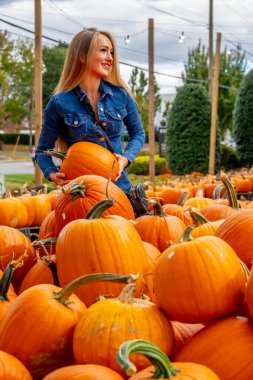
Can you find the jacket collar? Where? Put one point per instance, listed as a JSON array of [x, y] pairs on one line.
[[104, 89]]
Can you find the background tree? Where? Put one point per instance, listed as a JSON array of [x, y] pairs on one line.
[[243, 121], [53, 60], [188, 131], [138, 84], [16, 78], [232, 70]]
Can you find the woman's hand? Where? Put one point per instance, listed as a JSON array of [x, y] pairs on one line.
[[58, 178], [123, 162]]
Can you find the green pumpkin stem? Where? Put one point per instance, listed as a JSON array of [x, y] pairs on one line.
[[55, 153], [186, 236], [162, 364], [232, 200], [64, 294], [7, 276], [199, 218], [157, 207], [76, 190], [182, 198], [97, 210]]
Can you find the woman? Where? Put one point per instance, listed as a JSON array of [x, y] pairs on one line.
[[91, 89]]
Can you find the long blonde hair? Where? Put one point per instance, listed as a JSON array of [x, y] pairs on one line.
[[77, 61]]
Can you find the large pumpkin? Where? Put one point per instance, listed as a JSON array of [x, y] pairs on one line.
[[225, 346], [237, 232], [89, 158], [199, 280], [108, 244], [12, 369], [83, 372], [110, 322], [81, 194]]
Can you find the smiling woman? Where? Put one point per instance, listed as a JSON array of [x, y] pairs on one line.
[[91, 103]]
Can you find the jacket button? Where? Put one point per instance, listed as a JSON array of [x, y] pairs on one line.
[[118, 115], [75, 122], [101, 109], [104, 123]]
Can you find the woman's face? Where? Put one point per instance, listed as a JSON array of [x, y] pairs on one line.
[[102, 57]]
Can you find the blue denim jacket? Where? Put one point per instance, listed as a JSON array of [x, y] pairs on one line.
[[65, 115]]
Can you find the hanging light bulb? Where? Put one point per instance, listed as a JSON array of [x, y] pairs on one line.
[[180, 40], [127, 39]]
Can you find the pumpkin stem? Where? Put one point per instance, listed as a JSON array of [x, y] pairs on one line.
[[162, 364], [182, 198], [186, 236], [7, 276], [55, 153], [97, 210], [126, 296], [157, 207], [64, 294], [199, 218], [232, 200], [76, 190]]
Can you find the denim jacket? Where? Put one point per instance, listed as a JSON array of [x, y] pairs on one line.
[[67, 116]]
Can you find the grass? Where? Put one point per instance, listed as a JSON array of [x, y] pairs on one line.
[[17, 181]]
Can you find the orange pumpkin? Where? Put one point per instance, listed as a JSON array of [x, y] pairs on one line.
[[95, 244], [237, 232], [83, 372], [203, 278], [82, 159], [12, 369], [159, 228], [81, 194], [225, 346], [110, 322]]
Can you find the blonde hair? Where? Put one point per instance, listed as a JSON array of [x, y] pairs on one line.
[[77, 61]]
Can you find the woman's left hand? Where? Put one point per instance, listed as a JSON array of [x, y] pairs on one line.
[[123, 162]]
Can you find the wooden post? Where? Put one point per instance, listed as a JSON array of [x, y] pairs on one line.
[[215, 92], [210, 70], [38, 83], [151, 105]]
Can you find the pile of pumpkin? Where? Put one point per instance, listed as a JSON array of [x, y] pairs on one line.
[[100, 294]]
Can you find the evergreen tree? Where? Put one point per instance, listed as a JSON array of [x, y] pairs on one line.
[[53, 59], [243, 121], [188, 131], [232, 69]]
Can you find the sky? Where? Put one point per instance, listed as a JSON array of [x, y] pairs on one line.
[[62, 19]]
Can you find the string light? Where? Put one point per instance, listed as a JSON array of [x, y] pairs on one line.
[[127, 39], [181, 38]]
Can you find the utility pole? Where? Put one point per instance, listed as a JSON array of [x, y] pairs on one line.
[[151, 105], [215, 93], [38, 83], [210, 71]]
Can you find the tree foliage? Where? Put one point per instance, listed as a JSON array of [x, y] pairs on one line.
[[232, 70], [138, 83], [16, 77], [53, 59], [243, 120], [188, 131]]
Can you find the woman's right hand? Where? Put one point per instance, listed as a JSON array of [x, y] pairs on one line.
[[58, 178]]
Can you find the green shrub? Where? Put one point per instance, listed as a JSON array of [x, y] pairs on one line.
[[11, 138], [188, 131], [140, 166], [243, 116]]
